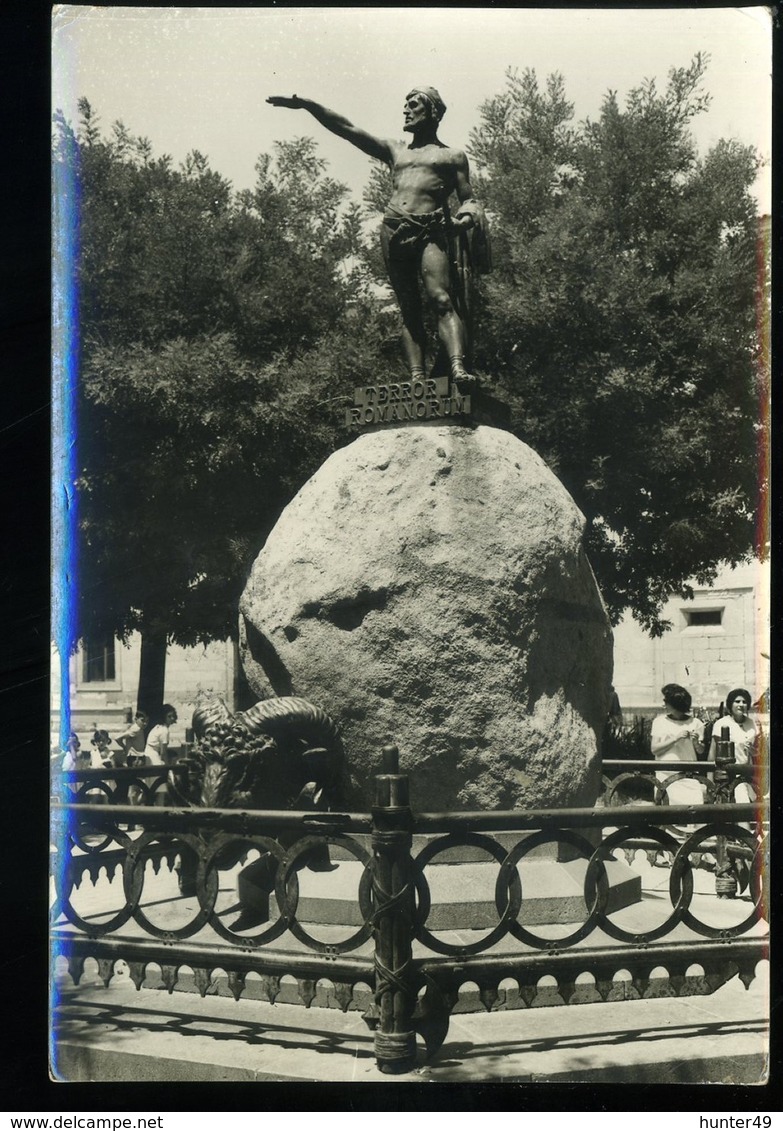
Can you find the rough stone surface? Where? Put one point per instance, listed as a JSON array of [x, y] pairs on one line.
[[428, 587]]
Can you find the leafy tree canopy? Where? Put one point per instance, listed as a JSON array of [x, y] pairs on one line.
[[620, 322], [212, 373], [222, 332]]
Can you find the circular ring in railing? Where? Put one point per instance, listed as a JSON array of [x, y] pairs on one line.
[[662, 786], [601, 884], [711, 792], [225, 845], [507, 913], [707, 832], [146, 792], [667, 842], [87, 787], [148, 787], [64, 883], [714, 792], [80, 828], [134, 875], [622, 779], [287, 891], [758, 867]]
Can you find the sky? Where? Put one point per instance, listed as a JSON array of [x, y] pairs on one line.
[[197, 78]]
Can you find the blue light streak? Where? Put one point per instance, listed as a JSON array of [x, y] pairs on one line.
[[65, 375]]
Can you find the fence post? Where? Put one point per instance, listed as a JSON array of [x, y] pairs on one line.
[[725, 875], [393, 897]]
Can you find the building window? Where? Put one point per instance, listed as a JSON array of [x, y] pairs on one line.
[[98, 659], [702, 618]]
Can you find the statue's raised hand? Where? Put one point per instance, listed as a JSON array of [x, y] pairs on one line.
[[292, 103]]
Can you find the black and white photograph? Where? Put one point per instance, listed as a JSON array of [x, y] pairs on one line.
[[410, 659]]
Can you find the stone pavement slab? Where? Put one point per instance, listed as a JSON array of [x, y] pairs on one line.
[[119, 1033]]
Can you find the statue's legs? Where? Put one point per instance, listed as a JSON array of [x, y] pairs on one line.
[[431, 263], [403, 276], [413, 334], [436, 276]]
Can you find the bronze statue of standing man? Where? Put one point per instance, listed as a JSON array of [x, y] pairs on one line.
[[421, 240]]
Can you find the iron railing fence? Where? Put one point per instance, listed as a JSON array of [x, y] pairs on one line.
[[140, 785], [630, 781], [621, 781], [413, 969]]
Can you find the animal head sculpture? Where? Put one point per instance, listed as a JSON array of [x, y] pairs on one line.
[[280, 754]]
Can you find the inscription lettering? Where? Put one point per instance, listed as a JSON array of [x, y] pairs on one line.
[[420, 399]]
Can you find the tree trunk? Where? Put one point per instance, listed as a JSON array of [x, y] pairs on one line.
[[244, 696], [152, 672]]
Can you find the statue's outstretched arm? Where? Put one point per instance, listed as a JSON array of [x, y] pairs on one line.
[[373, 146]]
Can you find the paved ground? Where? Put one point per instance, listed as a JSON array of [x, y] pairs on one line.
[[118, 1033]]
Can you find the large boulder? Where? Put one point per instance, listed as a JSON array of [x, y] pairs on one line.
[[428, 587]]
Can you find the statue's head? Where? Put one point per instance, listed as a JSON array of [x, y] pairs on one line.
[[423, 104]]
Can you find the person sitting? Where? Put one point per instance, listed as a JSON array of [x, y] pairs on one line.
[[76, 759], [102, 742], [742, 732], [676, 736]]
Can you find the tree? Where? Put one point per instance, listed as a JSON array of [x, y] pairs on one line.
[[620, 323], [210, 373], [221, 333]]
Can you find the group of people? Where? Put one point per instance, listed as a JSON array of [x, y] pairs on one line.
[[138, 745], [679, 736]]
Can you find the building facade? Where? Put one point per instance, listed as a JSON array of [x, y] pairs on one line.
[[104, 683], [717, 641]]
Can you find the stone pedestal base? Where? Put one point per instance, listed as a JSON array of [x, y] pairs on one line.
[[462, 894], [429, 587]]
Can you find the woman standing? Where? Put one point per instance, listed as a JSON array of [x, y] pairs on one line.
[[159, 737], [156, 752]]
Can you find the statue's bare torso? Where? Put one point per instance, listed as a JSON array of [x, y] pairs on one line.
[[424, 177], [425, 173]]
